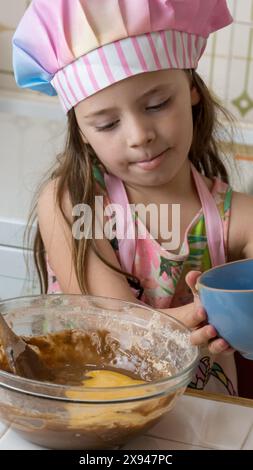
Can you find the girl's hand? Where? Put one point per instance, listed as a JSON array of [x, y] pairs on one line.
[[203, 333]]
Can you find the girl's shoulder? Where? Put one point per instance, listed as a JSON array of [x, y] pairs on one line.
[[241, 226], [48, 204]]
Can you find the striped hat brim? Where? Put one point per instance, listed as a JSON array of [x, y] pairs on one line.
[[127, 57]]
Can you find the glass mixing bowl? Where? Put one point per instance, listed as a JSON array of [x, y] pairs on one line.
[[138, 340]]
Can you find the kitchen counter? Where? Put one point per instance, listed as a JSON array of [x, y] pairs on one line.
[[199, 420]]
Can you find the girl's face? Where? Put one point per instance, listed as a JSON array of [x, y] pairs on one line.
[[141, 128]]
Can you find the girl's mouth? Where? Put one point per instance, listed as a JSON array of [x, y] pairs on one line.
[[151, 164]]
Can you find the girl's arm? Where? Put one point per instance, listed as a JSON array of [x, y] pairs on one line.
[[245, 212], [57, 238]]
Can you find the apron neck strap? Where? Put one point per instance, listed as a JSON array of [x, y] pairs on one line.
[[213, 222], [125, 225]]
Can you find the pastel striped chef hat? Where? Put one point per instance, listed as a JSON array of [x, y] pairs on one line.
[[75, 48]]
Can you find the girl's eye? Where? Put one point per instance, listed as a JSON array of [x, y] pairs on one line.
[[160, 105], [107, 127]]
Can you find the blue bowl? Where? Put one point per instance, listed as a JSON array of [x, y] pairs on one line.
[[226, 292]]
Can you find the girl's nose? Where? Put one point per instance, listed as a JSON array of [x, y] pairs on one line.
[[139, 134]]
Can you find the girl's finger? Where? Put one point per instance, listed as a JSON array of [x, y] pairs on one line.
[[191, 280], [203, 335], [229, 351], [220, 346], [198, 318]]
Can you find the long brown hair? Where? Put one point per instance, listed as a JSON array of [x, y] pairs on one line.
[[74, 173]]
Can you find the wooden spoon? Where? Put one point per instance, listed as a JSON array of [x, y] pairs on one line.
[[22, 359]]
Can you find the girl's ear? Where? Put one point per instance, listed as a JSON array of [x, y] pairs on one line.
[[195, 98]]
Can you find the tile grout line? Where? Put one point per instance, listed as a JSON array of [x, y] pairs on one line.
[[174, 440], [246, 437]]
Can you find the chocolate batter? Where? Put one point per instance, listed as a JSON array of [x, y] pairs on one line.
[[88, 359]]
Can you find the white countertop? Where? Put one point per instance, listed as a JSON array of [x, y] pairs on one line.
[[195, 423]]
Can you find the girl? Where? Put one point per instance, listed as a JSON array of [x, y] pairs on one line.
[[141, 130]]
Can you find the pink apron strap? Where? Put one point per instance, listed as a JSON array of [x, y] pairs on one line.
[[117, 195], [214, 228], [213, 223]]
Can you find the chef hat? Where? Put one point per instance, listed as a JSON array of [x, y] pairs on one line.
[[75, 48]]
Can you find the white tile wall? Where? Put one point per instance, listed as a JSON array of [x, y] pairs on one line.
[[30, 140], [14, 278], [243, 10], [29, 144]]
